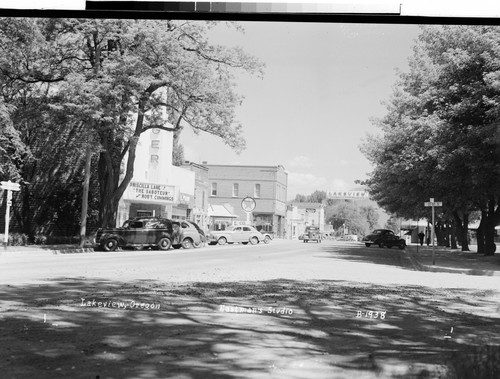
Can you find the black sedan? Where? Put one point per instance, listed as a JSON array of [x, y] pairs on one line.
[[384, 237]]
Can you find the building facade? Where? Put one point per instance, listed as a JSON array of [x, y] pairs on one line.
[[267, 185], [199, 212], [157, 189], [301, 215]]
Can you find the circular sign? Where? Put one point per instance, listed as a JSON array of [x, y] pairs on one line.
[[248, 204]]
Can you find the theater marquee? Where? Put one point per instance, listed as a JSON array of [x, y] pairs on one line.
[[150, 192]]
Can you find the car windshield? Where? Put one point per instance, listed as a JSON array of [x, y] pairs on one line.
[[378, 231]]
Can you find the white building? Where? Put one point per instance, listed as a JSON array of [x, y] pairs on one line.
[[157, 188], [301, 215]]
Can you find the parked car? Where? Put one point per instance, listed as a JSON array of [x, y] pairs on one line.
[[312, 233], [383, 237], [239, 233], [137, 232], [187, 234]]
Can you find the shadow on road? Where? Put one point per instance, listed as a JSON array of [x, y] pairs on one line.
[[378, 255], [225, 330]]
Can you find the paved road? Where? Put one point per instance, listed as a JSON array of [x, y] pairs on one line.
[[281, 259], [325, 337]]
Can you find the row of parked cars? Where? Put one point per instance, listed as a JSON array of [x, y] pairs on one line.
[[163, 234]]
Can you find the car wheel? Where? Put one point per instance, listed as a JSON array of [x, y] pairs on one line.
[[380, 244], [197, 245], [187, 243], [389, 246], [164, 243], [267, 239], [254, 240], [368, 244], [222, 241], [111, 244], [176, 246], [402, 246]]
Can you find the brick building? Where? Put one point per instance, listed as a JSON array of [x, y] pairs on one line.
[[267, 185]]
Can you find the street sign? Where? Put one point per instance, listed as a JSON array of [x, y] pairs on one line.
[[10, 186], [433, 204]]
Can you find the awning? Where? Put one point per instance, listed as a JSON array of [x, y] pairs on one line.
[[219, 211]]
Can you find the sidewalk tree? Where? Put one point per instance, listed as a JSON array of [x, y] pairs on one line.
[[439, 136], [119, 78]]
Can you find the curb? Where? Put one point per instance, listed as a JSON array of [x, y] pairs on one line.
[[421, 267]]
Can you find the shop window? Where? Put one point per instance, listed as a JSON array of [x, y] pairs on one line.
[[256, 191], [214, 189], [235, 189]]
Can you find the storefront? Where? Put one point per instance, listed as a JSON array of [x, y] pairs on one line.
[[220, 217], [146, 200]]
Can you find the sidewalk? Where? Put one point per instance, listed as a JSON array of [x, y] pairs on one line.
[[45, 249], [454, 261]]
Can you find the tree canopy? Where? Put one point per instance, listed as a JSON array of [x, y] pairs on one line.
[[70, 83], [439, 137]]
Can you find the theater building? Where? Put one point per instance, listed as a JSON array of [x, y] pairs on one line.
[[267, 185], [158, 189]]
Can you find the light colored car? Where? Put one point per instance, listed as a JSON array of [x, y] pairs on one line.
[[239, 233], [187, 234]]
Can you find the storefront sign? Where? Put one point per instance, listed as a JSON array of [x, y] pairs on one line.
[[348, 195], [150, 192], [184, 198]]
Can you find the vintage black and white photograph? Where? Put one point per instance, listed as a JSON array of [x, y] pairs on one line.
[[189, 198]]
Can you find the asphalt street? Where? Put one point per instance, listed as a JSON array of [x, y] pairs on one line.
[[283, 310], [281, 259]]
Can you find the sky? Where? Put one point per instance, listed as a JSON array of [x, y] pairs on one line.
[[323, 84]]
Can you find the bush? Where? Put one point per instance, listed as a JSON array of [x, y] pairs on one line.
[[16, 239], [41, 239]]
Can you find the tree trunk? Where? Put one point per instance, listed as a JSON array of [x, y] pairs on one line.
[[85, 197], [463, 229], [453, 235], [109, 171]]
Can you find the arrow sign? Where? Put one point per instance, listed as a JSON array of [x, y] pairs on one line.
[[10, 186]]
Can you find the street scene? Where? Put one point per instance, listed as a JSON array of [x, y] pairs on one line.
[[248, 199]]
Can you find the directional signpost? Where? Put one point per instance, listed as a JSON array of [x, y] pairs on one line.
[[9, 186], [433, 204]]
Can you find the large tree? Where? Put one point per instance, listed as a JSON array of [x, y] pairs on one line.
[[115, 79], [439, 136]]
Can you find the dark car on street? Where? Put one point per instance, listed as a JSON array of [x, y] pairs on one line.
[[138, 233], [312, 233], [384, 237]]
